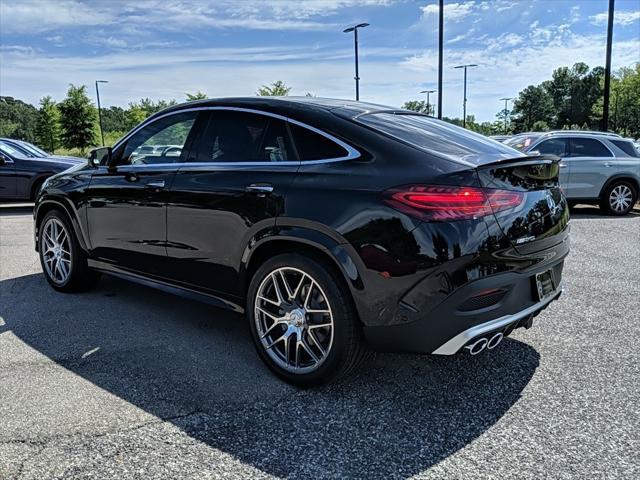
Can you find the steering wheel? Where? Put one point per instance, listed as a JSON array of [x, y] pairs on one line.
[[167, 150]]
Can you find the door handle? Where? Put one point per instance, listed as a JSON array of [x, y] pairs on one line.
[[608, 164], [259, 188], [155, 184], [563, 165]]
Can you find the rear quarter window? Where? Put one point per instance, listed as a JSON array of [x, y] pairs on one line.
[[313, 146], [626, 146]]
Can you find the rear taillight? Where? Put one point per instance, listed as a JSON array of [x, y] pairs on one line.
[[440, 203]]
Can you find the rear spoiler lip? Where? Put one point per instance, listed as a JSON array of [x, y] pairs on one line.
[[522, 161]]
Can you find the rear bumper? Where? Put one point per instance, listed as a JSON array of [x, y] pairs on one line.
[[456, 343], [464, 314]]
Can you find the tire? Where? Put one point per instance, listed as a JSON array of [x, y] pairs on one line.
[[68, 272], [298, 322], [619, 198]]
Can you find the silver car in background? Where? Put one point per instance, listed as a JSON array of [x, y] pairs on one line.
[[597, 168]]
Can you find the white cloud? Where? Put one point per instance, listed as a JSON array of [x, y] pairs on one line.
[[453, 12], [620, 17], [33, 16]]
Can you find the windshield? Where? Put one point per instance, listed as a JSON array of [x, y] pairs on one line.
[[522, 142], [436, 136], [33, 149]]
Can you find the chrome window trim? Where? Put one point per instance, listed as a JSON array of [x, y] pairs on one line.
[[352, 153]]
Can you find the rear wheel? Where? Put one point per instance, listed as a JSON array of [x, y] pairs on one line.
[[619, 198], [63, 261], [303, 323]]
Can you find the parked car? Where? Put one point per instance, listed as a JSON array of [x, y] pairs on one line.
[[335, 226], [33, 151], [21, 175], [500, 138], [522, 141], [598, 168]]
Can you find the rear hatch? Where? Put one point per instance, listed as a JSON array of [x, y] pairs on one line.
[[541, 218]]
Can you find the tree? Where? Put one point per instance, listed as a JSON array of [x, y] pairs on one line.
[[18, 119], [533, 104], [113, 119], [48, 128], [78, 119], [276, 89], [196, 96], [419, 106]]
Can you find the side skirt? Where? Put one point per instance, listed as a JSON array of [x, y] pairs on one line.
[[165, 286]]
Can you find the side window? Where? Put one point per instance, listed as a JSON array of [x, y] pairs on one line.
[[553, 146], [235, 136], [162, 141], [588, 147], [313, 146]]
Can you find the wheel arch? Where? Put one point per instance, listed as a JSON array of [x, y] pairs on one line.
[[55, 203], [620, 177]]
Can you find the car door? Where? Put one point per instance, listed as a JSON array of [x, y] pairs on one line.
[[558, 146], [244, 162], [126, 200], [7, 174], [591, 164]]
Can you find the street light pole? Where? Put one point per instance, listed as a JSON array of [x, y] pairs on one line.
[[607, 69], [464, 102], [428, 105], [506, 99], [440, 48], [100, 109], [354, 29]]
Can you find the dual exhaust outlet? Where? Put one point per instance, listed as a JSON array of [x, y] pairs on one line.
[[485, 342]]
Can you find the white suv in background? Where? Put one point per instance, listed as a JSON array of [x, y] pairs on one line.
[[598, 168]]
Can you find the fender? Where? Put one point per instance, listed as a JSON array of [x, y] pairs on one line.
[[47, 201], [619, 176], [341, 253]]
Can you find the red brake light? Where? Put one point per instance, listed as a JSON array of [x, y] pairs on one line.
[[438, 203]]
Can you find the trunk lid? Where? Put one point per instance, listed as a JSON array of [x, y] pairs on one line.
[[541, 219]]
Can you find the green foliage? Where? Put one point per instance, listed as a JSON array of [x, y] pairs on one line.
[[48, 130], [276, 89], [419, 106], [196, 96], [139, 111], [533, 104], [113, 120], [18, 119], [78, 118], [540, 126]]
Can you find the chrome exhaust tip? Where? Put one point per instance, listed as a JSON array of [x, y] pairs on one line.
[[477, 346], [494, 341]]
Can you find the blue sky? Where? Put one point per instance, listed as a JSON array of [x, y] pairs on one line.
[[162, 49]]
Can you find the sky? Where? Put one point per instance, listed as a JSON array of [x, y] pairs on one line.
[[162, 49]]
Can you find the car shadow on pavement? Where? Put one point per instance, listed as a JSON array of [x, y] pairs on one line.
[[194, 366], [589, 212]]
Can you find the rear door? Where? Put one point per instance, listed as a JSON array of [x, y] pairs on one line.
[[231, 191], [591, 164]]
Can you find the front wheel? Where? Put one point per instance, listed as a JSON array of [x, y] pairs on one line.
[[303, 322], [63, 261], [619, 198]]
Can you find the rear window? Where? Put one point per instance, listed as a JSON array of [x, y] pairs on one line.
[[553, 146], [626, 146], [434, 135]]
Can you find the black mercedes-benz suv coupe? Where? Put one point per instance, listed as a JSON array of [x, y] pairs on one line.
[[337, 227]]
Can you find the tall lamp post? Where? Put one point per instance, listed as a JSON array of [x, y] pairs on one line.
[[464, 102], [440, 54], [607, 69], [428, 105], [100, 109], [354, 29], [506, 99]]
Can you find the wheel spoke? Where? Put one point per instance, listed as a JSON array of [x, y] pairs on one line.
[[269, 314], [279, 339], [320, 325], [276, 287], [309, 350], [286, 286]]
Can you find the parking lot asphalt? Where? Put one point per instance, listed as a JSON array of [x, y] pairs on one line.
[[128, 382]]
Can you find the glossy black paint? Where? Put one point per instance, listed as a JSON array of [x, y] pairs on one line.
[[205, 232], [22, 175]]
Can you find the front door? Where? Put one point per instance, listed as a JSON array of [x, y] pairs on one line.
[[7, 173], [127, 199], [592, 163], [560, 148], [234, 190]]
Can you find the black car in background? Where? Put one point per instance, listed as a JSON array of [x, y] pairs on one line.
[[22, 172], [333, 225]]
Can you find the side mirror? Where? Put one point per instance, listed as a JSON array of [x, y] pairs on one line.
[[3, 159], [533, 153], [99, 156]]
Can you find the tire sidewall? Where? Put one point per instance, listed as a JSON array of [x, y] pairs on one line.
[[74, 250], [343, 321], [607, 205]]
